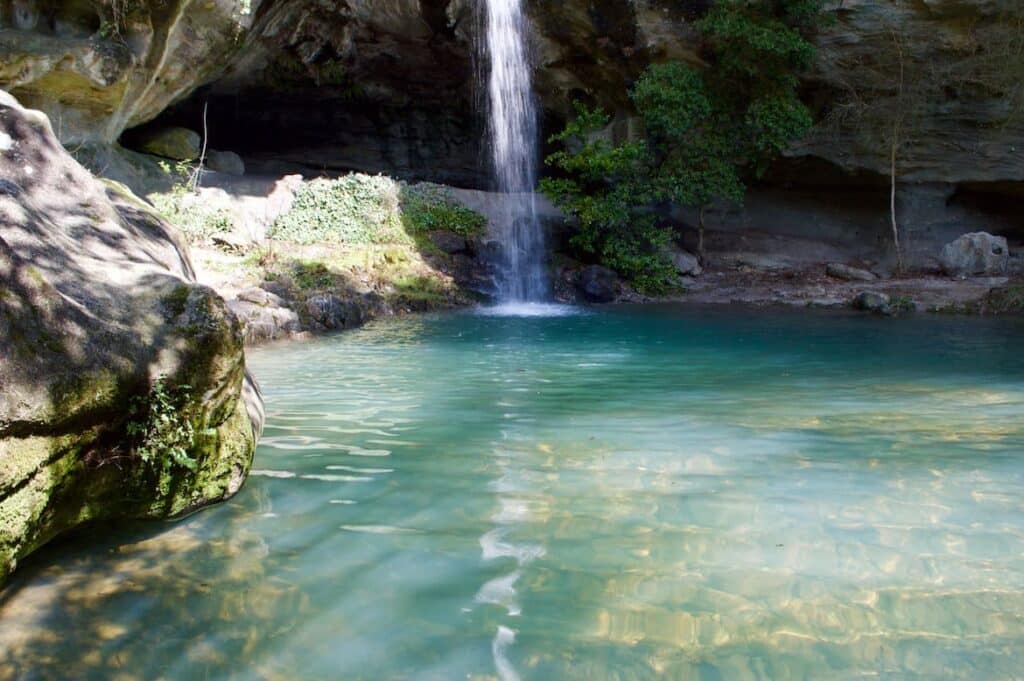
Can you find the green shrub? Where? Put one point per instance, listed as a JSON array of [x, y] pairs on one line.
[[354, 209], [160, 430], [197, 220], [365, 209], [707, 133], [427, 207]]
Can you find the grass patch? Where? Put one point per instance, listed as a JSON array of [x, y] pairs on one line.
[[1007, 300]]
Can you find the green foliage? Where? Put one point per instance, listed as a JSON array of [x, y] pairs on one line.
[[366, 209], [428, 207], [197, 220], [607, 187], [160, 429], [311, 276], [707, 133], [355, 209]]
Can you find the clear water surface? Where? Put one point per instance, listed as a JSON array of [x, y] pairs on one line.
[[624, 494]]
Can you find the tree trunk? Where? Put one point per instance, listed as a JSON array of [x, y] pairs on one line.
[[892, 201]]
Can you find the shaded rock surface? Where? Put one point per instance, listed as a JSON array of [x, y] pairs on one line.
[[177, 143], [977, 253], [598, 284], [227, 162], [97, 301]]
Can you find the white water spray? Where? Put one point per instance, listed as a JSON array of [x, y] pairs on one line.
[[512, 130]]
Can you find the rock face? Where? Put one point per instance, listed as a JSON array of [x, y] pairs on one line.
[[976, 254], [598, 284], [97, 303], [97, 70]]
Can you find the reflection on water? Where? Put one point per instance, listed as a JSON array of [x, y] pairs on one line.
[[616, 495]]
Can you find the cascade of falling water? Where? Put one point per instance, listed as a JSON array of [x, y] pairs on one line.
[[512, 131]]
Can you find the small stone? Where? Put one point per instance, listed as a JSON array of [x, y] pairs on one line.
[[847, 273], [262, 297], [872, 301]]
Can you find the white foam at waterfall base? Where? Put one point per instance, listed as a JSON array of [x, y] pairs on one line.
[[529, 310]]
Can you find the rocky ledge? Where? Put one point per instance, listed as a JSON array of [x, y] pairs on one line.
[[123, 389]]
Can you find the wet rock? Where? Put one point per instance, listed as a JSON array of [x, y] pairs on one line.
[[227, 162], [974, 254], [872, 301], [598, 284], [847, 273], [261, 323], [331, 312], [179, 144], [448, 242]]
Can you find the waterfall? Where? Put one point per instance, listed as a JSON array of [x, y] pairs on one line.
[[512, 133]]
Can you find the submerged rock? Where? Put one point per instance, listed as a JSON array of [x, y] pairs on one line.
[[99, 308], [976, 254], [598, 284]]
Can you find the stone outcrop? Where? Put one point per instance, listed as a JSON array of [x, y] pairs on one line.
[[98, 304], [387, 84], [976, 254], [98, 68]]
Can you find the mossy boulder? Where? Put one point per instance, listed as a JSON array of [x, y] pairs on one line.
[[97, 304]]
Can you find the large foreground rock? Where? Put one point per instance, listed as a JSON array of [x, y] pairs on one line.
[[97, 301], [976, 254]]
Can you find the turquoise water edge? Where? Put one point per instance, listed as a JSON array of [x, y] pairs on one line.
[[630, 493]]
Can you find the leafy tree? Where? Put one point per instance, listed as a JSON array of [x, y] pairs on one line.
[[708, 131]]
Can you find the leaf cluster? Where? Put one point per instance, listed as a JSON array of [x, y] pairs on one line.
[[160, 429], [707, 133]]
